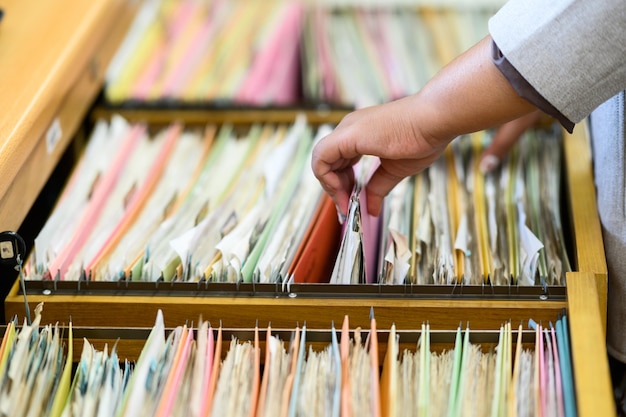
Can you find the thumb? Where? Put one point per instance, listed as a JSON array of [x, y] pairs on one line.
[[378, 186], [505, 137]]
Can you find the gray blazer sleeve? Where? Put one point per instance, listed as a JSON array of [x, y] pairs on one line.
[[573, 52]]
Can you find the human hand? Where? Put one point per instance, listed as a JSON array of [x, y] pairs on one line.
[[505, 138], [468, 95], [389, 131]]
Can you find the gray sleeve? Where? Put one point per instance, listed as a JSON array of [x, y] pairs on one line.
[[525, 90], [572, 52]]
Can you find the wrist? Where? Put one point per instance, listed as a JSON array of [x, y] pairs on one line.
[[468, 95], [431, 119]]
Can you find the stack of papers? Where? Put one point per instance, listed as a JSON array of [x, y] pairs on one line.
[[361, 56], [35, 373], [241, 204], [200, 51], [285, 52], [193, 371], [452, 224], [228, 205]]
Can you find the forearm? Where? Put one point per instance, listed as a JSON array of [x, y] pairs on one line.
[[409, 134], [468, 95]]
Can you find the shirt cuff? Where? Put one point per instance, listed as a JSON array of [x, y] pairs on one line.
[[525, 90]]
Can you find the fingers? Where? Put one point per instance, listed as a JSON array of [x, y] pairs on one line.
[[335, 155], [333, 169], [506, 136], [380, 184], [386, 131], [339, 186]]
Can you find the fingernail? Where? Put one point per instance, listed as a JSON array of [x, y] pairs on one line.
[[488, 163], [340, 216]]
